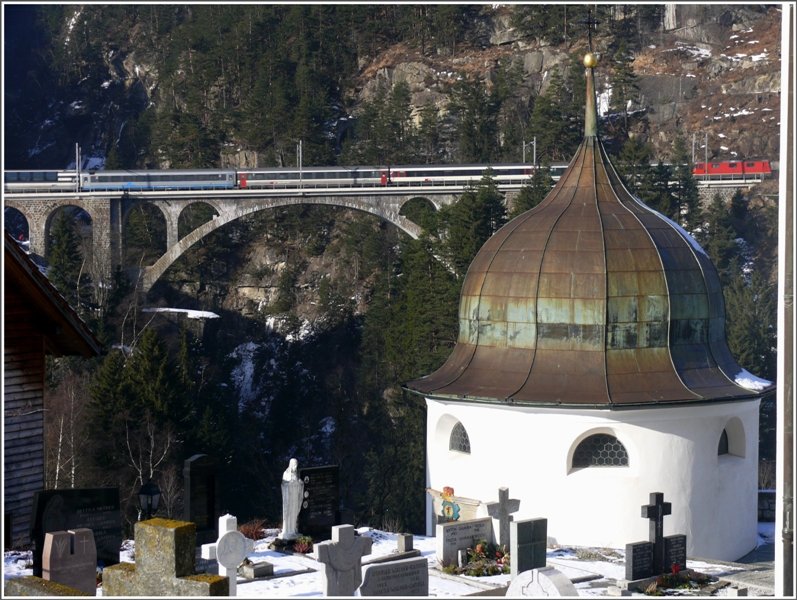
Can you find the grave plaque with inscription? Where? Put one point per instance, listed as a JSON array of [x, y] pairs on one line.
[[321, 500], [461, 535], [675, 551], [62, 510], [409, 577], [638, 560]]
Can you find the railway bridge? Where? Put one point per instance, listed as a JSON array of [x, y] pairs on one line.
[[109, 211]]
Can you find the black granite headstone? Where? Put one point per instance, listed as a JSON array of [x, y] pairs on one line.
[[96, 509], [319, 511], [528, 545], [675, 551], [638, 560], [201, 499]]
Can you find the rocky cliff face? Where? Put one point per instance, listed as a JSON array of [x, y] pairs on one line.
[[711, 70], [715, 71]]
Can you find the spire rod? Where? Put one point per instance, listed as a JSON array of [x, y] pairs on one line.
[[590, 61]]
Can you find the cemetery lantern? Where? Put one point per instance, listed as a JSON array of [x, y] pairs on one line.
[[148, 497]]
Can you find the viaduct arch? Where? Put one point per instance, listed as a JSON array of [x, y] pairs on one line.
[[108, 214]]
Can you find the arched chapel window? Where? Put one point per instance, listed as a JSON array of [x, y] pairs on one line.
[[459, 439], [600, 450], [722, 447]]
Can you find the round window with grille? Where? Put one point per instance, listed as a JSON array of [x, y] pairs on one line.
[[459, 440], [600, 450]]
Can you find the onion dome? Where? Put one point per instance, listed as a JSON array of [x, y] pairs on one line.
[[591, 299]]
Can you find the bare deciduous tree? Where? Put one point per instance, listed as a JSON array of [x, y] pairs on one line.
[[63, 431]]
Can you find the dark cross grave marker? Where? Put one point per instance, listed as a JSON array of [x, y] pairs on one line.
[[502, 510], [658, 555], [655, 512]]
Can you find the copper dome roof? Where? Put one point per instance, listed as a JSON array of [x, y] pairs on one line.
[[590, 298]]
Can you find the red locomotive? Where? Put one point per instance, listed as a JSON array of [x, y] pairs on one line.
[[733, 169]]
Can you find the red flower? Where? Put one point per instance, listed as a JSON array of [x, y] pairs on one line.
[[676, 568]]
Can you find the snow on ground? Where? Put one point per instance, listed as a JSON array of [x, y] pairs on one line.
[[592, 569], [191, 314]]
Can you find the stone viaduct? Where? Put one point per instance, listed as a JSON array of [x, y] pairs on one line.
[[108, 213]]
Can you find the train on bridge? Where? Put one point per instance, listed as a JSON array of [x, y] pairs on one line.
[[44, 181]]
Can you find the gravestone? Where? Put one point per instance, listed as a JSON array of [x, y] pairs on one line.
[[202, 495], [638, 560], [70, 558], [460, 535], [165, 562], [658, 555], [404, 541], [540, 583], [675, 551], [30, 585], [528, 545], [83, 508], [321, 500], [409, 577], [229, 550], [257, 570], [502, 510], [342, 559]]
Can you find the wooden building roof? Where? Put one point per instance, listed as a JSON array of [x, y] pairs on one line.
[[28, 291]]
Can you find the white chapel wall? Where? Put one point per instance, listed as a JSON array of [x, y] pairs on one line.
[[671, 450]]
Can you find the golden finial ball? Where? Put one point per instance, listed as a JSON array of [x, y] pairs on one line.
[[590, 60]]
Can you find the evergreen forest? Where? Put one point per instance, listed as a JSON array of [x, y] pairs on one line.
[[345, 308]]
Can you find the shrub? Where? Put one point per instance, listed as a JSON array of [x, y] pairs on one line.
[[253, 529]]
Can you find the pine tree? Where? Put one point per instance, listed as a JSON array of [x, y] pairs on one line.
[[476, 112], [109, 411], [685, 190], [149, 376], [533, 192], [469, 222], [660, 196], [634, 166], [64, 257], [624, 84], [719, 239], [750, 309]]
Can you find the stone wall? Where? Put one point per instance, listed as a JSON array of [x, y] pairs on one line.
[[766, 506]]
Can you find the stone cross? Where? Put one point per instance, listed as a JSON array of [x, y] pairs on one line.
[[342, 558], [165, 561], [70, 557], [502, 510], [656, 511], [229, 550]]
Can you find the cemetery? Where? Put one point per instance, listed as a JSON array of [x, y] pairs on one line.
[[166, 559], [574, 527]]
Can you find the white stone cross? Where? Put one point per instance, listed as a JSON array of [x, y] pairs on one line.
[[502, 510], [342, 558], [229, 550]]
